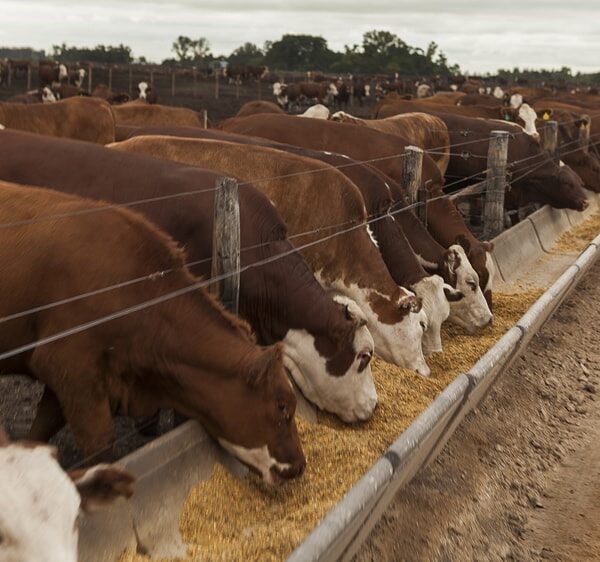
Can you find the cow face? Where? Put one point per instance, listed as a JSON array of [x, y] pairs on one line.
[[47, 95], [143, 90], [332, 90], [254, 419], [436, 307], [40, 503], [333, 371], [472, 312]]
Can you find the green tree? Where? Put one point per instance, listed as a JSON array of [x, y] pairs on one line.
[[100, 53], [248, 53], [299, 52]]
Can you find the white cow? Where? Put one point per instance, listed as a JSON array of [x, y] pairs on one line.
[[40, 503]]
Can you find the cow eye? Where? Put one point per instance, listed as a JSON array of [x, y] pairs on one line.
[[472, 284], [284, 410]]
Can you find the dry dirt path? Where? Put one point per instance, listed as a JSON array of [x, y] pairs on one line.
[[520, 479]]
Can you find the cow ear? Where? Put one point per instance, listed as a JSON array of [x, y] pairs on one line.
[[463, 241], [544, 114], [101, 485], [452, 294], [259, 372]]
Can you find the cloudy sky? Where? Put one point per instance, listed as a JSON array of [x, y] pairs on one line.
[[481, 35]]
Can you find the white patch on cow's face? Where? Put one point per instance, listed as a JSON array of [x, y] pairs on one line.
[[481, 91], [370, 233], [143, 87], [351, 396], [561, 164], [332, 90], [277, 87], [498, 92], [47, 95], [528, 116], [39, 506], [62, 72], [472, 312], [259, 458], [367, 90], [398, 343], [437, 309], [2, 127], [317, 111], [453, 87], [516, 100]]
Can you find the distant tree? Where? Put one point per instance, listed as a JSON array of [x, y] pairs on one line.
[[248, 53], [182, 48], [188, 50], [120, 54], [299, 52]]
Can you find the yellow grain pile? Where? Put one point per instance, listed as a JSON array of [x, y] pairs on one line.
[[578, 237], [229, 519]]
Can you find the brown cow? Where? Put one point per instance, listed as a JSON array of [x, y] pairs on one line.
[[44, 95], [134, 362], [34, 485], [326, 344], [51, 73], [304, 191], [146, 115], [383, 151], [103, 92], [258, 106], [146, 93], [322, 92], [420, 129], [79, 118], [471, 312]]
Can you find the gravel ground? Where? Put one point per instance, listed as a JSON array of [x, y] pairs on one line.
[[520, 479]]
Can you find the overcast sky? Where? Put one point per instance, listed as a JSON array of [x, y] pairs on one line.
[[480, 35]]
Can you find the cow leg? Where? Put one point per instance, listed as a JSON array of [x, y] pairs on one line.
[[49, 419]]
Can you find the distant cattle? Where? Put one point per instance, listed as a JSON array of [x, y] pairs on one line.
[[245, 72], [298, 92], [146, 92], [51, 73], [132, 364], [33, 486], [103, 92], [76, 77], [342, 97], [79, 118], [327, 348], [44, 95], [145, 115]]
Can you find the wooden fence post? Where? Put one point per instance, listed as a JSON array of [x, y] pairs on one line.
[[90, 67], [173, 83], [584, 133], [259, 87], [551, 138], [237, 87], [496, 184], [412, 172], [29, 77], [226, 243], [205, 118], [217, 72], [130, 81], [110, 77], [10, 72], [194, 92], [152, 77]]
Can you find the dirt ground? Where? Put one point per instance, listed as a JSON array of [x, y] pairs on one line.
[[520, 479]]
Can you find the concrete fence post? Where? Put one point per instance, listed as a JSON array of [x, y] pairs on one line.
[[551, 138], [90, 72], [496, 184], [412, 172], [584, 133], [226, 243]]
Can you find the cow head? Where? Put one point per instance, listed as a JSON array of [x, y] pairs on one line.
[[498, 92], [47, 95], [63, 73], [250, 413], [143, 90], [40, 503], [516, 100], [367, 90], [473, 311], [333, 370], [398, 327], [435, 295]]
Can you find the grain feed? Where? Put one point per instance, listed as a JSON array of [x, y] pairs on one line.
[[578, 237], [228, 519]]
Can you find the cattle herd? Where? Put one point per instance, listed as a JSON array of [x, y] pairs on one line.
[[107, 218]]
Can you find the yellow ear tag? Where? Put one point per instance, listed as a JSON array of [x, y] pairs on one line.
[[546, 116]]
